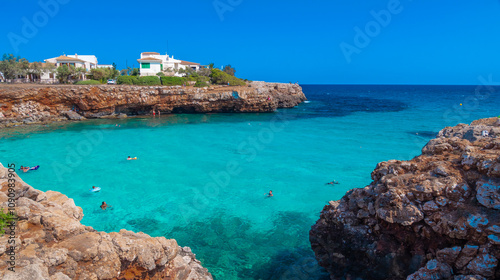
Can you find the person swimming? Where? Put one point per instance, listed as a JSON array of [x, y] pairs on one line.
[[131, 158], [269, 194], [25, 169], [334, 182], [105, 206]]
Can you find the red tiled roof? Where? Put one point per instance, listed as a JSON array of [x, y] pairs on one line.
[[149, 59], [150, 53], [183, 62], [67, 58]]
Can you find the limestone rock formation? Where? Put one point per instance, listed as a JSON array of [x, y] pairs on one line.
[[52, 244], [39, 104], [433, 217]]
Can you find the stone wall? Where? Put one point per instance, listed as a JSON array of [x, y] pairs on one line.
[[40, 104], [433, 217], [52, 244]]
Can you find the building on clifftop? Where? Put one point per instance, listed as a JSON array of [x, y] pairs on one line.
[[151, 63]]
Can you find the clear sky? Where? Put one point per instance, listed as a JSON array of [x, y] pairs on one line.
[[315, 41]]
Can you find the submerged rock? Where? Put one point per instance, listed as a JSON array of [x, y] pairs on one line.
[[51, 243], [433, 217]]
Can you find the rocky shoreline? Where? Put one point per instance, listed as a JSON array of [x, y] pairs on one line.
[[433, 217], [52, 244], [38, 104]]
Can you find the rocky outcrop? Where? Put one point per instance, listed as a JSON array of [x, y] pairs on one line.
[[36, 103], [52, 244], [433, 217]]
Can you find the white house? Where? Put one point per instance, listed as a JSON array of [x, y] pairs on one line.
[[152, 62], [88, 62]]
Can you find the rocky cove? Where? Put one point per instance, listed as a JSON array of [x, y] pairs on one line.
[[51, 243], [28, 104], [433, 217]]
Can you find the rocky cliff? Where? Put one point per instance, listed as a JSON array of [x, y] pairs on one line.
[[37, 103], [433, 217], [51, 243]]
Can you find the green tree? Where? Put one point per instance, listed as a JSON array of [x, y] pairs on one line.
[[63, 73], [219, 77], [80, 72], [98, 74], [23, 67], [35, 70], [160, 74], [135, 72], [49, 68], [10, 67], [204, 72], [230, 70], [211, 66], [114, 65]]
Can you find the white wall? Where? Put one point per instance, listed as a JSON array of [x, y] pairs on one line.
[[154, 68]]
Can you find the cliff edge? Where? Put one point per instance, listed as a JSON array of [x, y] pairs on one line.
[[52, 244], [26, 104], [433, 217]]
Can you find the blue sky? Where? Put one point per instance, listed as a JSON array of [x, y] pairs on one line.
[[328, 42]]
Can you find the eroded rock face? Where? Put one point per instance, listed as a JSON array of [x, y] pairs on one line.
[[38, 104], [53, 244], [433, 217]]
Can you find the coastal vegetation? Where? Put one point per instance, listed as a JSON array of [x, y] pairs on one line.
[[88, 82], [6, 218], [13, 67], [202, 78]]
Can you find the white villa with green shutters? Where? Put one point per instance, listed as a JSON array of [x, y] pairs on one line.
[[152, 62]]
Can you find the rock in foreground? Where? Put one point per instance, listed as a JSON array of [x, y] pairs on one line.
[[51, 243], [433, 217]]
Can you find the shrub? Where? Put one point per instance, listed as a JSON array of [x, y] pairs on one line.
[[200, 84], [173, 81], [221, 78], [5, 219], [88, 82], [127, 80], [149, 81]]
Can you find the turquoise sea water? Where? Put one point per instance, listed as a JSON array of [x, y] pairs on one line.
[[201, 179]]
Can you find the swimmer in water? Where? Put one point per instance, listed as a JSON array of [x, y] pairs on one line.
[[334, 182], [105, 206], [269, 194]]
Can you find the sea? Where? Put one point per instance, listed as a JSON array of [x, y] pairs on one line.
[[203, 179]]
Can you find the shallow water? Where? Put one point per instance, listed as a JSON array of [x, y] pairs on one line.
[[201, 179]]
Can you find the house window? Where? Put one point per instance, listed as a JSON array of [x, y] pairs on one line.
[[161, 67], [51, 75], [72, 64], [145, 65]]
